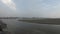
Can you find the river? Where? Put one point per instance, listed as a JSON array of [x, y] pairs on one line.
[[19, 27]]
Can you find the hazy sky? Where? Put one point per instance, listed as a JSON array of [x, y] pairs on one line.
[[30, 8]]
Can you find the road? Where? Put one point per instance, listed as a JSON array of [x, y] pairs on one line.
[[17, 27]]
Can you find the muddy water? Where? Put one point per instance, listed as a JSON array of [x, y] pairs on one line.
[[18, 27]]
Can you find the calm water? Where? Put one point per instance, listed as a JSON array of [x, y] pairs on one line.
[[17, 27]]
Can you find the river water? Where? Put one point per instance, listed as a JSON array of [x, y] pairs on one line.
[[18, 27]]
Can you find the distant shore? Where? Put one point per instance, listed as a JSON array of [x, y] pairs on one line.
[[43, 21]]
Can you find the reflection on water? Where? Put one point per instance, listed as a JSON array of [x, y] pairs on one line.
[[18, 27]]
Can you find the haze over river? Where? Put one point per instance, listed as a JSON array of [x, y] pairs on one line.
[[18, 27]]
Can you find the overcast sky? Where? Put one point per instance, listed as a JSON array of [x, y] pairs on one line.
[[30, 8]]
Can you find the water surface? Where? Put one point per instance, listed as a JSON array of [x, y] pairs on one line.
[[18, 27]]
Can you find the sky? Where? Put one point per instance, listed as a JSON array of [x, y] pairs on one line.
[[30, 8]]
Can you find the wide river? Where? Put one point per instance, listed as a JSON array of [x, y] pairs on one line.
[[18, 27]]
